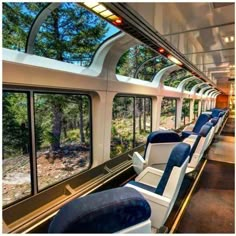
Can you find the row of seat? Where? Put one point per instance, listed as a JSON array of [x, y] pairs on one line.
[[148, 200]]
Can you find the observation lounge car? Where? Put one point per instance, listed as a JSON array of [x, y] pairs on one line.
[[118, 117]]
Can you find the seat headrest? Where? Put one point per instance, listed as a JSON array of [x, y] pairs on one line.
[[221, 114], [202, 119], [214, 120], [215, 112], [206, 129], [163, 136], [108, 211], [177, 157]]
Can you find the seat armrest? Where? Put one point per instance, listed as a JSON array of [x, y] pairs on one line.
[[150, 196], [188, 128], [138, 162], [150, 176], [190, 139]]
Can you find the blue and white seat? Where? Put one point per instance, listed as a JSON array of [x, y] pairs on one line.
[[199, 143], [160, 188], [158, 148], [118, 210], [195, 128]]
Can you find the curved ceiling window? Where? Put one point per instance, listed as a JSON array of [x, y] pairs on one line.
[[17, 18], [141, 62], [72, 34], [191, 83], [175, 77], [201, 87]]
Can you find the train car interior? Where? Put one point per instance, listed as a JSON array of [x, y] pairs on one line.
[[118, 117]]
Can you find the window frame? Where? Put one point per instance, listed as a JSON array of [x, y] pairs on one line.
[[134, 121], [32, 138]]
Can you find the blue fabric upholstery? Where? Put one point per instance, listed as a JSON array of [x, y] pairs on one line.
[[202, 119], [103, 212], [215, 112], [221, 114], [162, 136], [214, 120], [143, 186], [177, 157], [205, 129]]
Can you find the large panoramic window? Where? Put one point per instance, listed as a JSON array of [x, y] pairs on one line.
[[168, 113], [62, 123], [17, 18], [61, 136], [142, 63], [131, 123], [175, 77], [191, 84], [16, 181], [70, 33], [185, 117]]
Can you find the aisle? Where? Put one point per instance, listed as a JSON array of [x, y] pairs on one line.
[[211, 209]]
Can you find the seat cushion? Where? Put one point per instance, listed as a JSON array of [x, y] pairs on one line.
[[177, 157], [202, 119], [187, 133], [143, 186], [103, 212]]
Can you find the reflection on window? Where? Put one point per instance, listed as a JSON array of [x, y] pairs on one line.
[[195, 110], [16, 181], [63, 133], [185, 117], [175, 77], [191, 84], [72, 34], [168, 113], [131, 123], [17, 18], [142, 63]]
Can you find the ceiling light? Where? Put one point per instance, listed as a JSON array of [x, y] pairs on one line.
[[175, 60], [161, 50], [91, 4], [99, 8], [231, 38], [226, 39], [106, 13]]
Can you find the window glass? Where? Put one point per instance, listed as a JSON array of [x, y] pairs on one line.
[[72, 34], [175, 77], [131, 123], [142, 120], [185, 117], [122, 131], [142, 63], [195, 111], [191, 84], [16, 181], [17, 18], [63, 136], [168, 113]]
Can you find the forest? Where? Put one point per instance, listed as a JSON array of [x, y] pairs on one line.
[[55, 128]]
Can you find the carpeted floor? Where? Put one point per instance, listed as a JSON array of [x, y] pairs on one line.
[[229, 128], [211, 209]]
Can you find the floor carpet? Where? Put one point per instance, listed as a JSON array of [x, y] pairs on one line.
[[211, 209]]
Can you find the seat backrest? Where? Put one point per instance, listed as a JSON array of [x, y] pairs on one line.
[[202, 119], [177, 157], [108, 211], [159, 145]]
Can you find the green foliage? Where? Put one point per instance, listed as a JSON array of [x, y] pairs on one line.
[[15, 124], [175, 77]]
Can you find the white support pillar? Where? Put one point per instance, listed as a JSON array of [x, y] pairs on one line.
[[199, 107], [191, 115], [179, 112], [157, 112]]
